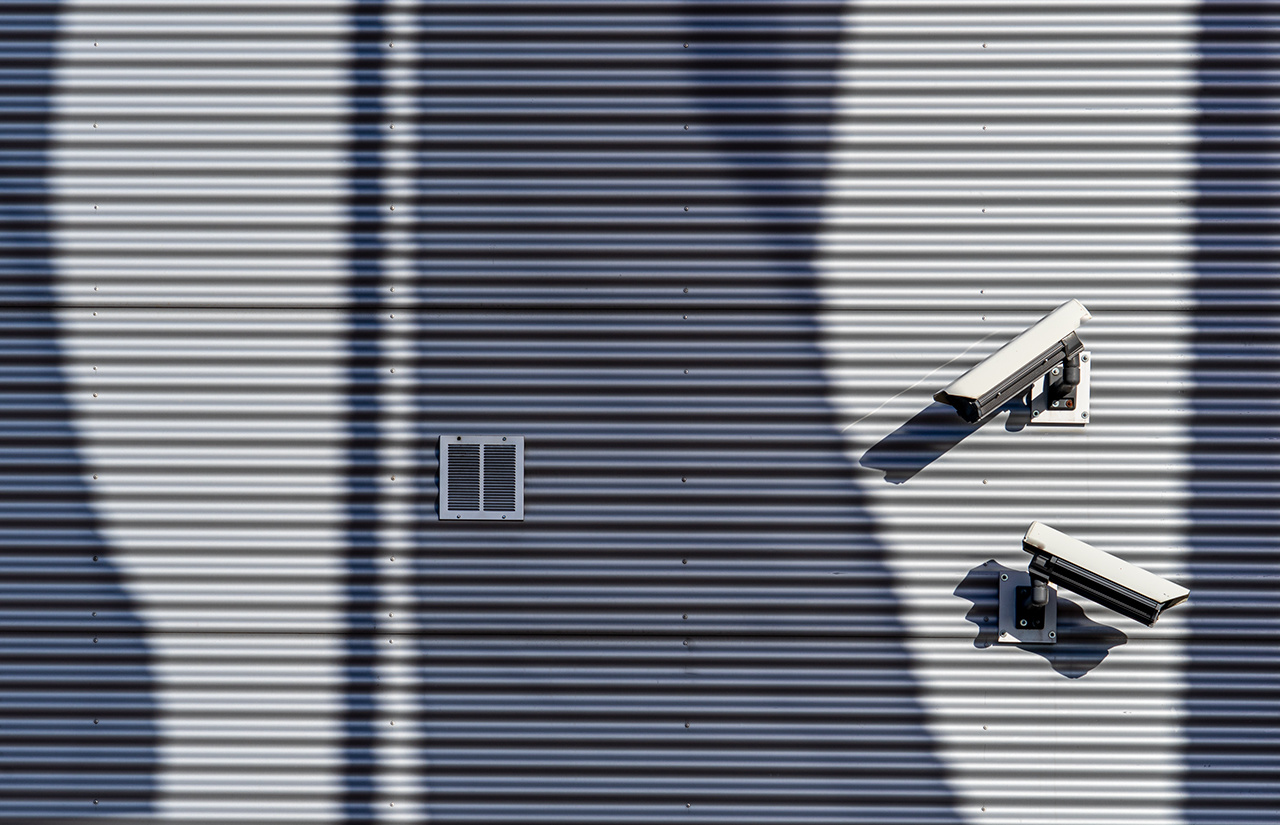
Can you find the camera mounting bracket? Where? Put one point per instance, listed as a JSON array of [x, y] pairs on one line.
[[1021, 621], [1055, 402]]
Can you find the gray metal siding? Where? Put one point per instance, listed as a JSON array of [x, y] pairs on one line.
[[756, 577]]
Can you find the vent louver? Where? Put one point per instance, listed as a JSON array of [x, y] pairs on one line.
[[482, 477]]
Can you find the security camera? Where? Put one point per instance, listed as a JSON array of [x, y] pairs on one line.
[[1049, 346], [1108, 580], [1028, 607]]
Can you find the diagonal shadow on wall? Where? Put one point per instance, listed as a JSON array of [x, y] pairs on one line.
[[511, 212], [77, 710]]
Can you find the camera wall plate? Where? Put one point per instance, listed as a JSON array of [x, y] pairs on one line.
[[1072, 411], [1022, 623]]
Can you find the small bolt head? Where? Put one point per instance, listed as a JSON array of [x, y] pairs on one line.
[[1035, 413], [1053, 635], [1055, 404], [1022, 622], [1084, 357], [1004, 577], [1084, 413], [1055, 371]]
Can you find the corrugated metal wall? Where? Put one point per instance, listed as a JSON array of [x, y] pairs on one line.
[[712, 260]]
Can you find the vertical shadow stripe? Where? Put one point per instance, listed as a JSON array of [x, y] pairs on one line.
[[367, 45], [1233, 670]]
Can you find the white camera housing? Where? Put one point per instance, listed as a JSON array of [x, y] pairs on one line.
[[1011, 370], [1108, 580]]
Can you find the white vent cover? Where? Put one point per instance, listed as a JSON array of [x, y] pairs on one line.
[[482, 477]]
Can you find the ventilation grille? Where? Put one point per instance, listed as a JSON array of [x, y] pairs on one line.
[[482, 477]]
